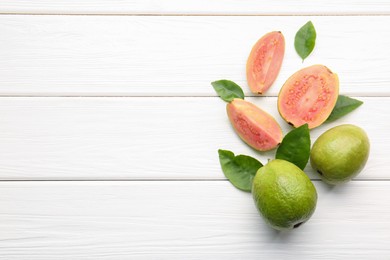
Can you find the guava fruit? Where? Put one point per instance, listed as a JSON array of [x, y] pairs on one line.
[[308, 96], [340, 153], [264, 62], [284, 195], [255, 127]]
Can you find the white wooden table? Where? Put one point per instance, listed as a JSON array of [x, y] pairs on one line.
[[109, 129]]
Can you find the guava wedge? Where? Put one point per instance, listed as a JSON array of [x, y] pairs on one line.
[[256, 127], [308, 96], [264, 62]]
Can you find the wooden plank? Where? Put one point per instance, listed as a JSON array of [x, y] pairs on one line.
[[146, 138], [196, 7], [178, 56], [184, 220]]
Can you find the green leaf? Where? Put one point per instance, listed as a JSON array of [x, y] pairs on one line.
[[305, 40], [240, 169], [343, 106], [228, 90], [295, 147]]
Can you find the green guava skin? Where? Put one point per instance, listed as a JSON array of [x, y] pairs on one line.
[[340, 153], [284, 195]]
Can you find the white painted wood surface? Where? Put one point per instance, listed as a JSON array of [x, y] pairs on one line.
[[109, 129], [147, 138], [178, 56], [184, 220], [197, 7]]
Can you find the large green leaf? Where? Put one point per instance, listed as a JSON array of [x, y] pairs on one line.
[[295, 147], [239, 169], [228, 90], [344, 105], [305, 40]]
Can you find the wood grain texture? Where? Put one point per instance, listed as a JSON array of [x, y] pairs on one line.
[[247, 7], [178, 56], [146, 138], [184, 220]]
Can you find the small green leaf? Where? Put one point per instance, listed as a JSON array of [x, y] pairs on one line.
[[228, 90], [305, 40], [239, 169], [295, 147], [343, 106]]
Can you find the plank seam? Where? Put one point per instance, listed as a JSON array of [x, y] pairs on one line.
[[162, 96], [161, 180], [193, 14]]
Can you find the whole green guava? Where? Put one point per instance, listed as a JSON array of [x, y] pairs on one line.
[[340, 153], [283, 194]]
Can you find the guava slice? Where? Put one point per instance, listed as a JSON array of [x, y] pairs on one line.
[[309, 96], [255, 127], [264, 62]]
